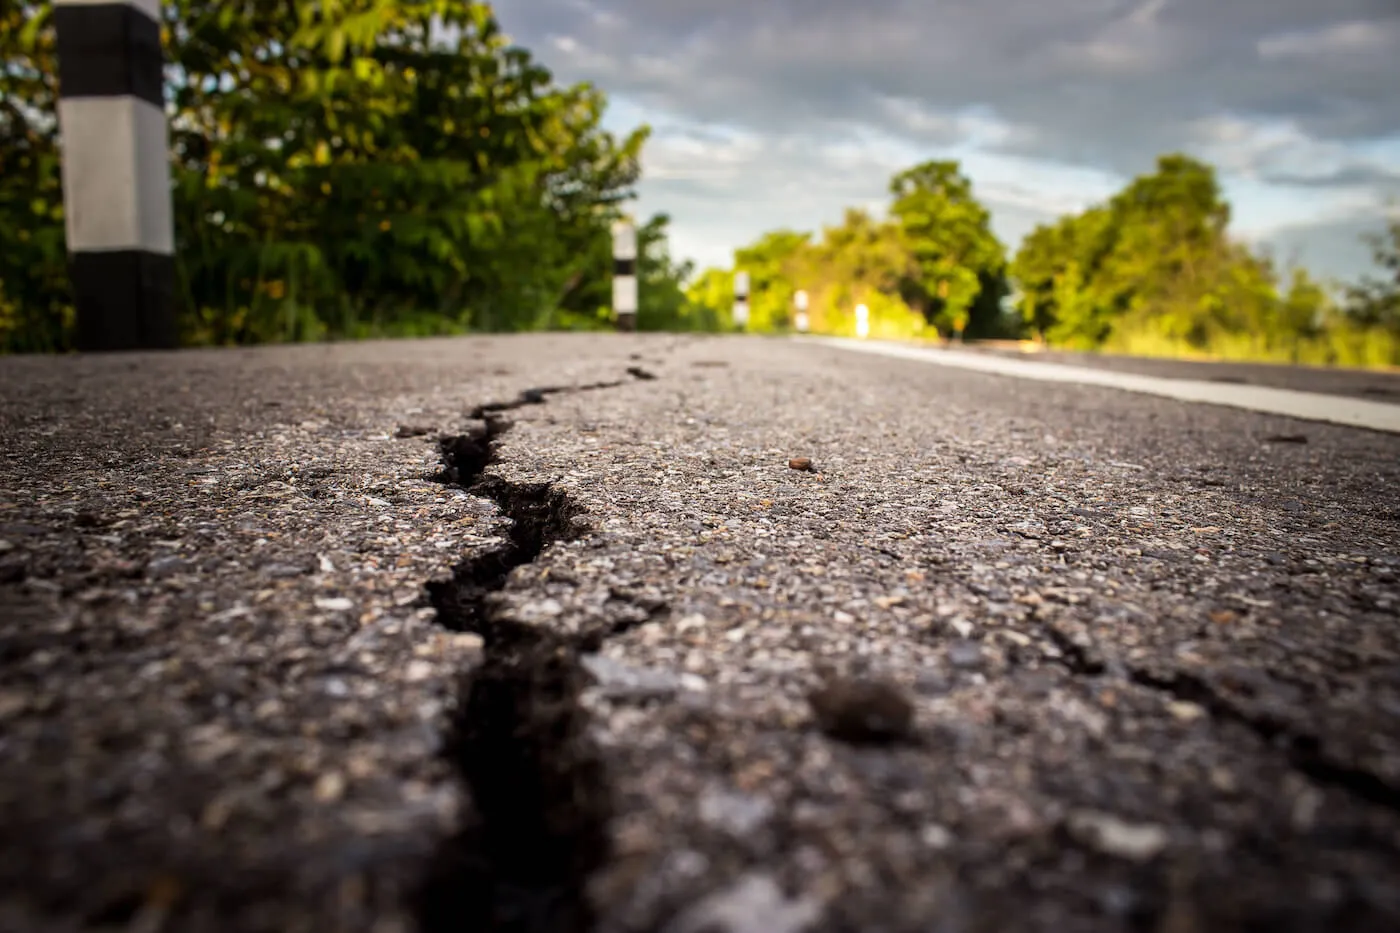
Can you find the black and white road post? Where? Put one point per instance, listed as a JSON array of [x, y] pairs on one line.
[[116, 173], [741, 300], [625, 275], [799, 301]]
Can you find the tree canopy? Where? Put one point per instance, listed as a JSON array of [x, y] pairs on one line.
[[930, 266], [339, 169], [346, 168], [1154, 270]]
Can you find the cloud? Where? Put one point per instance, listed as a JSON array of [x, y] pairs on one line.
[[1280, 152], [1339, 42], [1333, 247], [1049, 104]]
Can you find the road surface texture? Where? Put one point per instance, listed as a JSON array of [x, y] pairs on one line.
[[561, 634]]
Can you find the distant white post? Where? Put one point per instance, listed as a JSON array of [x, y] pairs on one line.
[[625, 275], [116, 173], [741, 299], [800, 300], [862, 321]]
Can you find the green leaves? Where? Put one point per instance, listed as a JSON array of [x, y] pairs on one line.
[[932, 264], [340, 167], [1374, 302], [952, 249], [36, 311], [1154, 271]]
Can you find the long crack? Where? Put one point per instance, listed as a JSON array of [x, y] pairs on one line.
[[1305, 752], [539, 802]]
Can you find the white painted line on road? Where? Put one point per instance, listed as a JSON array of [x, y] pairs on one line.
[[1310, 406]]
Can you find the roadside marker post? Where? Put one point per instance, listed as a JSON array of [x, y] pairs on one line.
[[741, 300], [862, 321], [625, 275], [800, 320], [115, 152]]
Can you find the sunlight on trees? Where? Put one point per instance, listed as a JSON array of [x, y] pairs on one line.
[[1152, 271], [396, 167], [340, 170]]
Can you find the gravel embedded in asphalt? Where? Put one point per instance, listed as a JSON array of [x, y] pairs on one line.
[[1150, 658]]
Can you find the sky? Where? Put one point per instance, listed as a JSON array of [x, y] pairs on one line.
[[774, 114]]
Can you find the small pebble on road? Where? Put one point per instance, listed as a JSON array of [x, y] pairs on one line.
[[858, 710]]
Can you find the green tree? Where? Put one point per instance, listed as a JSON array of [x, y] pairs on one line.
[[367, 166], [1302, 312], [663, 304], [862, 260], [36, 305], [772, 262], [1375, 300], [1063, 298], [711, 296], [1168, 251], [1154, 271], [955, 259]]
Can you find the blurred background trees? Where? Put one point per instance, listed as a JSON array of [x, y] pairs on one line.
[[1152, 271], [340, 170], [395, 167]]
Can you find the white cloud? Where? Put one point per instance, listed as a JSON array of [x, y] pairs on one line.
[[1335, 41], [777, 113]]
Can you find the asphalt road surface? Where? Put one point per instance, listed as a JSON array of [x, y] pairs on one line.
[[562, 633]]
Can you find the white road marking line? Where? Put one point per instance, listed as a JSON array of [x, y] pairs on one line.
[[1309, 406]]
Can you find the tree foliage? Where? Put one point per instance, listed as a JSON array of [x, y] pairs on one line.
[[1154, 270], [36, 311], [663, 302], [931, 266], [1375, 300], [339, 169], [345, 168], [956, 264]]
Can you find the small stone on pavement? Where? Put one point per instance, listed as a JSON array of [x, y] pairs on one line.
[[863, 710]]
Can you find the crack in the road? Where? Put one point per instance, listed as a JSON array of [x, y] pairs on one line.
[[538, 800], [1304, 751], [1077, 654], [540, 396]]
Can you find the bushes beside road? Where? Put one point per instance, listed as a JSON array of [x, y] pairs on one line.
[[397, 167], [1152, 271]]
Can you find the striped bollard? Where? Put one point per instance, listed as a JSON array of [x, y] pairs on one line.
[[116, 173], [625, 275], [741, 299], [800, 300], [862, 321]]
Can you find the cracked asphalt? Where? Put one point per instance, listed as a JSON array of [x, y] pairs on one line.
[[305, 638]]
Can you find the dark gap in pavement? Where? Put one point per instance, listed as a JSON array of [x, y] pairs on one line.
[[539, 397], [535, 822], [648, 609], [1079, 656], [1304, 752]]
